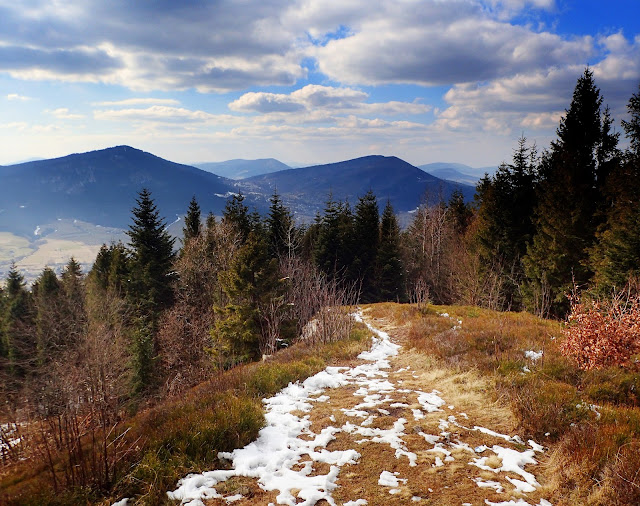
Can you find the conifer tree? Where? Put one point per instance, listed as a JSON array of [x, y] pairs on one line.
[[616, 256], [280, 230], [48, 305], [504, 220], [389, 269], [366, 238], [150, 289], [236, 214], [569, 197], [192, 225], [250, 284], [333, 245], [17, 322], [151, 256]]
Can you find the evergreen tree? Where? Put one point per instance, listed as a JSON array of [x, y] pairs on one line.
[[192, 225], [460, 212], [17, 324], [504, 225], [152, 257], [150, 288], [616, 257], [389, 268], [366, 238], [250, 284], [333, 246], [48, 304], [236, 214], [569, 196], [280, 229]]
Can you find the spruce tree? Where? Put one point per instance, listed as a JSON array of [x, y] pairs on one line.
[[333, 245], [366, 237], [150, 287], [152, 257], [504, 220], [48, 305], [17, 324], [236, 214], [569, 197], [389, 281], [192, 224], [616, 257], [280, 230], [249, 285]]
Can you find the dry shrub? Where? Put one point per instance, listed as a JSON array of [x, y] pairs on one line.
[[603, 333], [623, 476]]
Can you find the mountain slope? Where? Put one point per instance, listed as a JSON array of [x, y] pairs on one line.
[[242, 169], [100, 187], [306, 189]]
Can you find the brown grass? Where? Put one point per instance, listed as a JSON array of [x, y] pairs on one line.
[[594, 458], [185, 435]]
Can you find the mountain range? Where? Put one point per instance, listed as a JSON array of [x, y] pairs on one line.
[[59, 205]]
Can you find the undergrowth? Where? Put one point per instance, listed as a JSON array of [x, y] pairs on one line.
[[184, 435], [589, 419]]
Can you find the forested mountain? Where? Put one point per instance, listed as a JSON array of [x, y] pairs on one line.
[[306, 189], [99, 186], [242, 169]]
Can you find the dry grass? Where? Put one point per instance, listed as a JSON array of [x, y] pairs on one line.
[[594, 459], [185, 435]]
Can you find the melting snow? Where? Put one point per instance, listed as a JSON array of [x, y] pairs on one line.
[[287, 442]]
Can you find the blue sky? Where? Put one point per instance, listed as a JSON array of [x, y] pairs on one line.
[[305, 81]]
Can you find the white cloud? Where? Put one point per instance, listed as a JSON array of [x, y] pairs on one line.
[[160, 113], [319, 103], [442, 43], [63, 113], [137, 101], [16, 96]]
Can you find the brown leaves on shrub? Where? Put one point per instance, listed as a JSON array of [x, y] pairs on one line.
[[603, 333]]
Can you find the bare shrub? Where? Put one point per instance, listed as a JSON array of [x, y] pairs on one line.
[[321, 307], [603, 333]]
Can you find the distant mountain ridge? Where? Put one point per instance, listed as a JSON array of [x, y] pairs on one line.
[[306, 189], [457, 172], [240, 168], [100, 187]]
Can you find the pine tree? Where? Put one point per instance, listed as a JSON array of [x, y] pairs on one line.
[[389, 269], [192, 224], [569, 196], [152, 257]]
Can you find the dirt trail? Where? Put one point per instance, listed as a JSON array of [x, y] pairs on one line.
[[423, 435]]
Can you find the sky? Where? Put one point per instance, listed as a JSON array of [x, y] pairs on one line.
[[305, 81]]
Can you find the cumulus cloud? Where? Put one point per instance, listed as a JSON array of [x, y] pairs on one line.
[[228, 45], [443, 43], [322, 101]]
